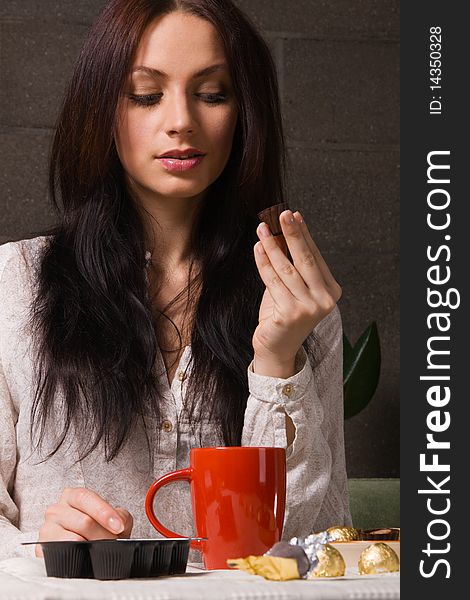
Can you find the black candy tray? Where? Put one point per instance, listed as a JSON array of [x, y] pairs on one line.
[[115, 559]]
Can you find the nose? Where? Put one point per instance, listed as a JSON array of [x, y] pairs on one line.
[[178, 115]]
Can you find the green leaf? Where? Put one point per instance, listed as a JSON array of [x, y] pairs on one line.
[[361, 370]]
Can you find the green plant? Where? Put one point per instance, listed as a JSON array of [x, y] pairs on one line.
[[361, 370]]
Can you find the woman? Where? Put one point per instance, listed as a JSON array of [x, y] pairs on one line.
[[158, 315]]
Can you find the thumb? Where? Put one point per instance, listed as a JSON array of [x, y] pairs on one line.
[[127, 520]]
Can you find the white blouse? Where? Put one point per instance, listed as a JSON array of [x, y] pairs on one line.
[[317, 495]]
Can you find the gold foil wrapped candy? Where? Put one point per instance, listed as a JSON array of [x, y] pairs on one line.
[[305, 558], [269, 567], [330, 563], [378, 558], [342, 534]]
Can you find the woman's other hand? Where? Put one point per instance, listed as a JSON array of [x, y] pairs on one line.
[[298, 295], [80, 515]]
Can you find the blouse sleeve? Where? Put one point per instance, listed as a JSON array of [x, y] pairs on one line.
[[10, 536], [317, 493]]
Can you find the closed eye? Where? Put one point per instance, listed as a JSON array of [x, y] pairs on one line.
[[145, 100], [213, 98], [152, 99]]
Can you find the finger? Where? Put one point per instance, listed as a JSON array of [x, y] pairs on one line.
[[313, 247], [128, 521], [78, 522], [305, 265], [281, 296], [284, 270], [90, 503], [327, 275]]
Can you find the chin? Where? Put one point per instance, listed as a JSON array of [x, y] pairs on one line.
[[182, 191]]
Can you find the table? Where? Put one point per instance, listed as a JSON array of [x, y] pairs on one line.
[[25, 579]]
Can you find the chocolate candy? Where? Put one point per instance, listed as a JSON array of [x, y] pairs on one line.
[[378, 558], [271, 217], [330, 563], [305, 558], [384, 533], [342, 534], [286, 550]]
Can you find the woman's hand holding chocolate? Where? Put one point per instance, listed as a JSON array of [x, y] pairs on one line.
[[298, 295], [81, 514]]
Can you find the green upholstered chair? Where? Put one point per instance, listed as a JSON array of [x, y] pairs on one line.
[[374, 502]]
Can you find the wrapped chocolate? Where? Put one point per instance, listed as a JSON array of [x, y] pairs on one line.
[[325, 560], [304, 558], [330, 563], [378, 558], [275, 568], [271, 217], [286, 550], [342, 534], [384, 533]]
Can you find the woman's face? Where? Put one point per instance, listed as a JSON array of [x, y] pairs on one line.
[[170, 104]]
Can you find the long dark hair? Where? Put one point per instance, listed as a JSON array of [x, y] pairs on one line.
[[95, 326]]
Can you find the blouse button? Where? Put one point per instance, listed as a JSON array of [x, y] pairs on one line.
[[182, 375], [167, 426], [288, 389]]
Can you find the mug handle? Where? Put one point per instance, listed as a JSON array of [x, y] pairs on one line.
[[181, 475]]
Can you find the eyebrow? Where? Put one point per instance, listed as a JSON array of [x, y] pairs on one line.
[[157, 73]]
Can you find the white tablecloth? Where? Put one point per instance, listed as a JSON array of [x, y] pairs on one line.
[[25, 579]]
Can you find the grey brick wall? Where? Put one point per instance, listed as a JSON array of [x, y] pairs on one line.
[[338, 65]]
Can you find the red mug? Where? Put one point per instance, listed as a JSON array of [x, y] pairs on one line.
[[238, 497]]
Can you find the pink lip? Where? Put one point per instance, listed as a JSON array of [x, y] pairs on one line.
[[174, 164]]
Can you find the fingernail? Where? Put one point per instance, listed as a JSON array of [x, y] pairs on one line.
[[264, 230], [289, 217], [115, 525], [299, 216]]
